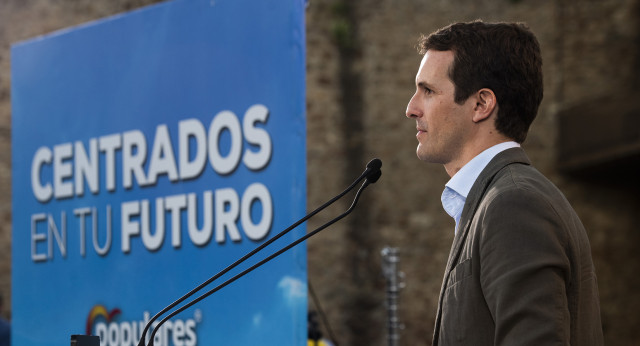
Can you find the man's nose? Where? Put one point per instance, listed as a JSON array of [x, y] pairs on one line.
[[412, 111]]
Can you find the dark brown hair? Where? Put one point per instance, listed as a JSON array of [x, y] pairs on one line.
[[503, 57]]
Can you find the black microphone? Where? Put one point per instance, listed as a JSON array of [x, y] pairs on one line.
[[374, 175], [374, 164], [371, 174]]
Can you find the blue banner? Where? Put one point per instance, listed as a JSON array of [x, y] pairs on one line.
[[151, 150]]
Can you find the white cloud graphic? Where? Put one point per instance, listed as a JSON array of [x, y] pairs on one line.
[[293, 290], [257, 320]]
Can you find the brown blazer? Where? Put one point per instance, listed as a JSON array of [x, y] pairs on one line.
[[520, 269]]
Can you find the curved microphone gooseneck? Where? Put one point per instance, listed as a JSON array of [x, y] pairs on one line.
[[370, 179], [372, 173]]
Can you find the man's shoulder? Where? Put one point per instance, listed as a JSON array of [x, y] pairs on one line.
[[510, 178], [527, 178], [519, 182]]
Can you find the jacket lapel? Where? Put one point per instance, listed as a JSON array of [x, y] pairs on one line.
[[477, 192]]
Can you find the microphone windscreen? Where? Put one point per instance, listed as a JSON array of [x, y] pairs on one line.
[[374, 176], [375, 164]]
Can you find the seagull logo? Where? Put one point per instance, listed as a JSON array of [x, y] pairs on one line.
[[100, 311]]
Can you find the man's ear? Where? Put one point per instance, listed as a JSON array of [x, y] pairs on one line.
[[486, 104]]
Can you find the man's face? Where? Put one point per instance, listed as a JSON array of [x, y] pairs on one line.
[[443, 125]]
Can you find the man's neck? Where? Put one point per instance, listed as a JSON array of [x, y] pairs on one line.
[[467, 155]]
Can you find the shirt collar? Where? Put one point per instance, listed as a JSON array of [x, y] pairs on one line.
[[453, 203], [462, 181], [457, 189]]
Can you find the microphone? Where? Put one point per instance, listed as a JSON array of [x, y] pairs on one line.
[[375, 163], [371, 177], [371, 174], [373, 171]]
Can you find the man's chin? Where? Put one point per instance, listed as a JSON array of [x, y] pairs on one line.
[[428, 156]]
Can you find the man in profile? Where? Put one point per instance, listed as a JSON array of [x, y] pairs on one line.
[[520, 270]]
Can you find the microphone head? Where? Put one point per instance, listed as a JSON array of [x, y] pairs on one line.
[[374, 164], [374, 175]]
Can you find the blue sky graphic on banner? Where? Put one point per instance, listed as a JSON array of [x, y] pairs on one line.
[[151, 150]]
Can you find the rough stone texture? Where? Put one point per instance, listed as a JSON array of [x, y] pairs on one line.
[[361, 65]]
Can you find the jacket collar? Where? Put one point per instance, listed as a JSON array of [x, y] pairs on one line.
[[477, 192]]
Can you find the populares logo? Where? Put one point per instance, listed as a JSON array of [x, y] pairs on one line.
[[115, 332]]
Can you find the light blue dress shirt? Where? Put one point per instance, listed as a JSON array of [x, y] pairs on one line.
[[457, 189]]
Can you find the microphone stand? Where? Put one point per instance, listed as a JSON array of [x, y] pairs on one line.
[[274, 255], [372, 173]]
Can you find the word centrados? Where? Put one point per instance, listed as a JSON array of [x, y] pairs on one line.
[[62, 171]]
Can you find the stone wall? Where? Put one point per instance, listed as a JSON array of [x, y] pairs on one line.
[[361, 65], [590, 51]]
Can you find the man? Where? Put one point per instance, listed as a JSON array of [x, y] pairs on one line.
[[520, 270]]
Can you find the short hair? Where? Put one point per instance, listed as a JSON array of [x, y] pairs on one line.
[[503, 57]]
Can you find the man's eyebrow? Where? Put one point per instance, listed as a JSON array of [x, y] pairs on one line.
[[425, 85]]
